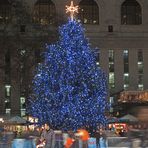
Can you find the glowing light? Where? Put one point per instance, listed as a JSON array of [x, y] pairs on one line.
[[72, 9], [1, 120], [69, 89]]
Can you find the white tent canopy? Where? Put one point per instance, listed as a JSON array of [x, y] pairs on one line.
[[17, 119], [130, 118]]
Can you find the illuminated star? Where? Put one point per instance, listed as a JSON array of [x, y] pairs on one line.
[[72, 9]]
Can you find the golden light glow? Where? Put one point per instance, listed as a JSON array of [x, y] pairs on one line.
[[72, 9], [133, 96]]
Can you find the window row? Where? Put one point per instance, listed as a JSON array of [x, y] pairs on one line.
[[45, 12], [126, 79]]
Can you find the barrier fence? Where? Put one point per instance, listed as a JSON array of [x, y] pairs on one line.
[[9, 142], [31, 143]]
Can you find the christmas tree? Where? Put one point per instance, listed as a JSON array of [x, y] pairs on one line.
[[69, 89]]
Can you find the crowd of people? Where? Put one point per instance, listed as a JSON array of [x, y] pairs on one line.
[[49, 139]]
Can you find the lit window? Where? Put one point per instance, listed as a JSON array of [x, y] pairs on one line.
[[97, 57], [140, 69], [131, 13], [89, 12], [8, 89], [8, 111], [126, 62], [126, 68], [23, 112], [140, 61], [126, 78], [1, 120], [111, 69], [22, 101], [126, 86], [126, 75], [111, 80], [125, 52], [140, 86], [111, 101], [7, 104], [111, 55]]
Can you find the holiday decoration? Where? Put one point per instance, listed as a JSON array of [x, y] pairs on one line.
[[69, 89], [72, 10]]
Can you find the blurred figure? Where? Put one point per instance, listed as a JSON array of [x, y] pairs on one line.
[[36, 132], [97, 136], [122, 133], [48, 136], [59, 142], [144, 139], [69, 143], [103, 139], [15, 134]]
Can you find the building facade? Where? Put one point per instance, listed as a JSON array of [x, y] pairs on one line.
[[118, 28]]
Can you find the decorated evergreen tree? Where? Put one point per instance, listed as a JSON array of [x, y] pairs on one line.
[[69, 89]]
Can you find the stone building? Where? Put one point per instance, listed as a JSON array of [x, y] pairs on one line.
[[118, 28]]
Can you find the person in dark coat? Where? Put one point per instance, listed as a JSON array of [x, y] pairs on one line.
[[48, 136], [71, 135], [97, 136]]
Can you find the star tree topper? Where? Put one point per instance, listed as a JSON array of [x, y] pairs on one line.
[[72, 9]]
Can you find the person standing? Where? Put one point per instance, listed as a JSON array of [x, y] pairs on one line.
[[103, 139], [48, 136], [97, 136]]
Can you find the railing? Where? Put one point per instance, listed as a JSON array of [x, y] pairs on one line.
[[114, 141], [5, 145], [8, 141]]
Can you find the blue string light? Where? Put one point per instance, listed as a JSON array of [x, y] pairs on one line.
[[69, 89]]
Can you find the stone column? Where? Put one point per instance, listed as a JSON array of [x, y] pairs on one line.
[[133, 69], [104, 60], [15, 98], [15, 86], [118, 65], [145, 70], [2, 83]]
